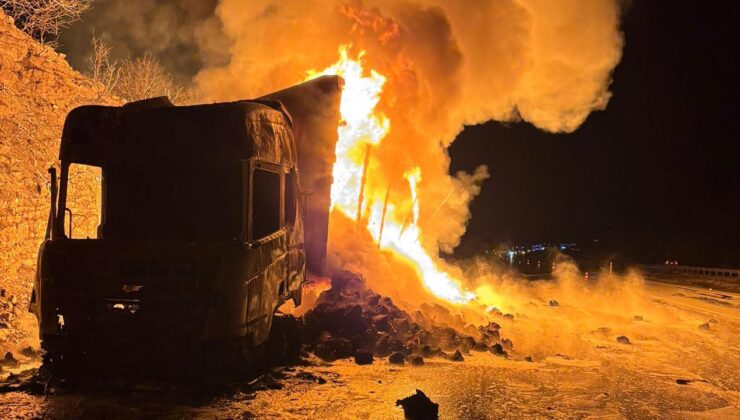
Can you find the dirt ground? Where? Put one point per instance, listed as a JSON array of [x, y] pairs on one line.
[[667, 371]]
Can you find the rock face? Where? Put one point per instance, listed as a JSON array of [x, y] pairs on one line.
[[37, 89], [355, 316]]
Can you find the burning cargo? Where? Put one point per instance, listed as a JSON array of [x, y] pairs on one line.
[[351, 320]]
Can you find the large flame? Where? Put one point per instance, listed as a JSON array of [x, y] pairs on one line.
[[389, 222]]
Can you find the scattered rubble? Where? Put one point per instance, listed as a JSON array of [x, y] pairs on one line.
[[419, 407], [429, 351], [265, 382], [507, 344], [363, 357], [310, 377], [604, 332], [457, 356], [480, 346], [25, 381], [622, 339], [417, 360], [30, 352], [349, 318], [396, 359], [9, 361], [332, 348], [498, 350], [689, 381]]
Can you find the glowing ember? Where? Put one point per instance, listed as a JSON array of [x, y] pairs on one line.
[[363, 129]]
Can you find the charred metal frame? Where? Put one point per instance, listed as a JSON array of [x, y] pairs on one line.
[[126, 287]]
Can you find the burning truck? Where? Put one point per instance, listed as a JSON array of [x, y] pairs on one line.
[[210, 217]]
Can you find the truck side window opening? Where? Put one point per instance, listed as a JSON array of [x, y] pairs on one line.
[[84, 200], [290, 198], [265, 203]]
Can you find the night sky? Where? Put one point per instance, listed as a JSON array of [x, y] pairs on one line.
[[654, 176]]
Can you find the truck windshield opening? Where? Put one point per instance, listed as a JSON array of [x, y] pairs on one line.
[[197, 201]]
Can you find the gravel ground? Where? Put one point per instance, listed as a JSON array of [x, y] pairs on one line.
[[670, 369]]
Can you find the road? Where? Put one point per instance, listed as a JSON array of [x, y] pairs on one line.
[[672, 368]]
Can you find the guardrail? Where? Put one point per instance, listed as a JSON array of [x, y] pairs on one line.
[[726, 273]]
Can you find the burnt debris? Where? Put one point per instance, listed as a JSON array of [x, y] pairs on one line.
[[419, 407], [623, 339], [363, 357], [416, 360], [9, 361], [396, 358], [351, 320]]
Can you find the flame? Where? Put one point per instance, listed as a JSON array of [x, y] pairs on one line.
[[361, 126], [363, 129]]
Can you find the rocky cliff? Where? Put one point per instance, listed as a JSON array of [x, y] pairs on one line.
[[37, 90]]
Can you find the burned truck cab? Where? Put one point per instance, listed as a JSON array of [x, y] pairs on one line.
[[200, 234]]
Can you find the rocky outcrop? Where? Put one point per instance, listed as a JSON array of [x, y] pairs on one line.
[[37, 89]]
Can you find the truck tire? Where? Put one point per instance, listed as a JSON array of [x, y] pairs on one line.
[[284, 345]]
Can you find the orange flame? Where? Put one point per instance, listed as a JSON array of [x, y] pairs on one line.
[[365, 127]]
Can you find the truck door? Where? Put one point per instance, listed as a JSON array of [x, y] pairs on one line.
[[294, 226], [268, 240]]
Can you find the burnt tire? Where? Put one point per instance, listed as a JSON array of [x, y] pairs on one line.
[[284, 344]]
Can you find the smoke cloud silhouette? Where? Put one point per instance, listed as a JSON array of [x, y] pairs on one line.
[[447, 64]]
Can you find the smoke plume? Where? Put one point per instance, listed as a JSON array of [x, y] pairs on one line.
[[447, 64], [184, 35], [463, 62]]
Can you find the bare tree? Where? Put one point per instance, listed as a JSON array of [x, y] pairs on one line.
[[144, 77], [132, 79], [104, 72], [43, 19]]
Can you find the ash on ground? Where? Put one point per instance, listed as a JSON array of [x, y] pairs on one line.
[[350, 320]]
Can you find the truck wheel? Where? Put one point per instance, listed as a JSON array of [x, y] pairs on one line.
[[284, 345]]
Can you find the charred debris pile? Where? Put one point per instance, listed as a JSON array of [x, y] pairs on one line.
[[350, 320]]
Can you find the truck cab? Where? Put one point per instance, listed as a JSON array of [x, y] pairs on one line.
[[206, 224], [201, 226]]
